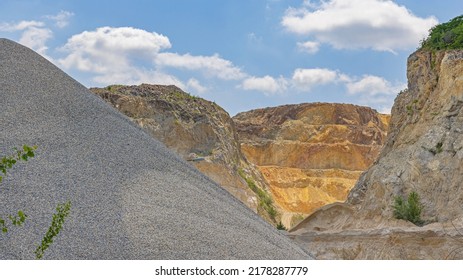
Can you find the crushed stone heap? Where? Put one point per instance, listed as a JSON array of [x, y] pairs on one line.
[[131, 197]]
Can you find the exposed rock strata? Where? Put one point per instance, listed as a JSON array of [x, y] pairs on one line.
[[424, 154], [311, 154]]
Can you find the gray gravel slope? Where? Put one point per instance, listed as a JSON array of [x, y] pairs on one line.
[[131, 197]]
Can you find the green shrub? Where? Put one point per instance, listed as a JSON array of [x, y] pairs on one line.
[[265, 201], [439, 148], [296, 219], [410, 209], [280, 226], [409, 110], [445, 36], [271, 210], [114, 88], [436, 150]]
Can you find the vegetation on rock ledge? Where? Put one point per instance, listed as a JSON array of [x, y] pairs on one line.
[[409, 209], [445, 36], [265, 201]]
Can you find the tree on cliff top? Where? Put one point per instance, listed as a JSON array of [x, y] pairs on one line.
[[445, 36]]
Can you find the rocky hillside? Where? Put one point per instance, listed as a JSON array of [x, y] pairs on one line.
[[198, 130], [423, 154], [311, 154]]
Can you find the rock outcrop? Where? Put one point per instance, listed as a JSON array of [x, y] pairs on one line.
[[423, 154], [132, 198], [198, 130], [311, 154]]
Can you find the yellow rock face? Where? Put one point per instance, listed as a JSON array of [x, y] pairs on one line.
[[305, 190], [311, 154]]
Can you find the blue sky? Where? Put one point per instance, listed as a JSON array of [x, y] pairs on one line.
[[240, 54]]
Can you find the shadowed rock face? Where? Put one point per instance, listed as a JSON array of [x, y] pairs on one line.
[[423, 154], [311, 154], [198, 130], [131, 197]]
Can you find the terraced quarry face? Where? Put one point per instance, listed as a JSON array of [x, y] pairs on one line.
[[311, 154]]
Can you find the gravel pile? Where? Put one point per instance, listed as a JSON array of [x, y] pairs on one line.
[[131, 197]]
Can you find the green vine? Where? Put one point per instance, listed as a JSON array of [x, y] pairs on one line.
[[7, 162], [62, 211]]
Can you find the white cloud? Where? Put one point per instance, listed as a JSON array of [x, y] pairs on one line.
[[113, 53], [36, 39], [135, 76], [34, 34], [195, 86], [62, 18], [109, 48], [350, 24], [384, 109], [368, 90], [25, 24], [265, 84], [373, 85], [130, 55], [302, 80], [308, 78], [309, 47], [214, 66], [254, 39], [374, 91]]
